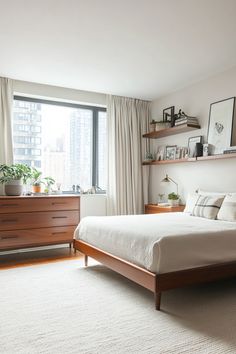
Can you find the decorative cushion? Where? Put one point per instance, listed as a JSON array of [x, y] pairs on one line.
[[228, 208], [218, 194], [207, 206], [190, 202]]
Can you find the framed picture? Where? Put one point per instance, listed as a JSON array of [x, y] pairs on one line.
[[168, 114], [171, 152], [222, 126], [160, 153], [192, 145]]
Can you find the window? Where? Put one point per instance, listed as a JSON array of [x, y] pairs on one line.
[[65, 141]]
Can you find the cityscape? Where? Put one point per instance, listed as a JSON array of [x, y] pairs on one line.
[[58, 141]]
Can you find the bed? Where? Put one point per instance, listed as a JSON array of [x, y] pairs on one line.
[[160, 251]]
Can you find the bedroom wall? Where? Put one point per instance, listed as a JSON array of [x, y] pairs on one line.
[[195, 101]]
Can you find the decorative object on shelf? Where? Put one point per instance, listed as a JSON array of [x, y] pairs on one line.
[[168, 115], [221, 128], [36, 180], [49, 182], [173, 199], [160, 153], [168, 179], [170, 152], [161, 198], [231, 150], [205, 150], [199, 149], [182, 118], [192, 145], [13, 177], [149, 156], [153, 125], [159, 125]]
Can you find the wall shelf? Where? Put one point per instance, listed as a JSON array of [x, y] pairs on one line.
[[192, 159], [171, 131]]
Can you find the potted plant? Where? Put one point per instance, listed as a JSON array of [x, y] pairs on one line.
[[13, 177], [173, 199], [36, 180], [49, 181]]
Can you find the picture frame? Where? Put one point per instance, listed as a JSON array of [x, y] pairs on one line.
[[192, 145], [171, 152], [222, 126], [168, 114]]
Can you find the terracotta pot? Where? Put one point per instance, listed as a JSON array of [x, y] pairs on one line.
[[36, 189]]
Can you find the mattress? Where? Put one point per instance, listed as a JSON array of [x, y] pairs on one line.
[[162, 242]]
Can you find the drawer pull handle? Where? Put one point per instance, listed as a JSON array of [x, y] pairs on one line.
[[57, 203], [59, 217], [10, 220], [58, 233], [8, 237], [9, 205]]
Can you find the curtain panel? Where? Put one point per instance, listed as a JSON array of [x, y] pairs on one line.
[[127, 120], [6, 103]]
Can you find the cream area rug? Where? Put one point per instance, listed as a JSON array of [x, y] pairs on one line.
[[65, 308]]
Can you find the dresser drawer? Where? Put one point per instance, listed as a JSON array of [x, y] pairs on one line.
[[27, 238], [24, 204], [40, 219]]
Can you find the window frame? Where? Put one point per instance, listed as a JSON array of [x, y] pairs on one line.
[[95, 113]]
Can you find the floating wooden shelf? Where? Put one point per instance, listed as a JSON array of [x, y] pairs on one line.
[[216, 157], [166, 162], [192, 159], [171, 131]]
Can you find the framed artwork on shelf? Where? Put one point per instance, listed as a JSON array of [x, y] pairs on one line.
[[171, 152], [192, 145], [222, 125], [168, 115]]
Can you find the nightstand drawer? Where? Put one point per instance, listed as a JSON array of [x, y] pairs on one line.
[[20, 238], [36, 220], [29, 204]]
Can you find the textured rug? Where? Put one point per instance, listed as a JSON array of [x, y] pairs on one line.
[[64, 308]]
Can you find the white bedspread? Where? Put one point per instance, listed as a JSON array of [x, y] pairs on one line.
[[162, 242]]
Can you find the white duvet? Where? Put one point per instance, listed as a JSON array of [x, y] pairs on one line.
[[162, 242]]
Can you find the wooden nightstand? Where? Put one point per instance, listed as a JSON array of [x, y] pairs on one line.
[[155, 209]]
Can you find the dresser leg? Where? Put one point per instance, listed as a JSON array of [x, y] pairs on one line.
[[157, 297], [85, 260]]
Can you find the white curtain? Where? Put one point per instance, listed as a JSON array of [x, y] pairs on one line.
[[6, 103], [127, 120]]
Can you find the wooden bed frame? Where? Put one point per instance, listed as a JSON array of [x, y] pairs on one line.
[[157, 283]]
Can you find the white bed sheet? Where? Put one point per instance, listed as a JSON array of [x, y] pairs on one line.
[[162, 242]]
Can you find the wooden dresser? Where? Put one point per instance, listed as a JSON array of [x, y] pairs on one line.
[[156, 209], [29, 221]]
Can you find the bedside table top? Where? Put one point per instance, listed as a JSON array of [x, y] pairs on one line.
[[155, 208]]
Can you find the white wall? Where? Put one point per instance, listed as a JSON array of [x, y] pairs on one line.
[[61, 93], [92, 205], [195, 101]]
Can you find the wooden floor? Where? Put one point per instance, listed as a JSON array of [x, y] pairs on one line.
[[22, 259]]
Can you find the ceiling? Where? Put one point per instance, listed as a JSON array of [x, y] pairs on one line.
[[136, 48]]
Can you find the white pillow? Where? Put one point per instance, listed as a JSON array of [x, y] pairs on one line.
[[207, 206], [190, 202], [220, 194], [228, 208]]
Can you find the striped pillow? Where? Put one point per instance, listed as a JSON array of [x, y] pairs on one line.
[[228, 208], [207, 206]]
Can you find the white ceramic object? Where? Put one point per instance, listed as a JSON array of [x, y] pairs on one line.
[[14, 187]]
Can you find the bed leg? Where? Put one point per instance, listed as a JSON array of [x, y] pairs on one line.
[[85, 260], [157, 297]]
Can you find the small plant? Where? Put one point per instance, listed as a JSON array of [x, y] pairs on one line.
[[49, 181], [36, 177], [14, 172], [149, 156], [173, 196]]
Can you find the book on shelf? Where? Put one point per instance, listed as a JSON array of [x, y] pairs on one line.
[[181, 121], [229, 151]]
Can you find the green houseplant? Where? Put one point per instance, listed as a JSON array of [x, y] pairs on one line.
[[36, 180], [173, 199], [49, 181], [13, 177]]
